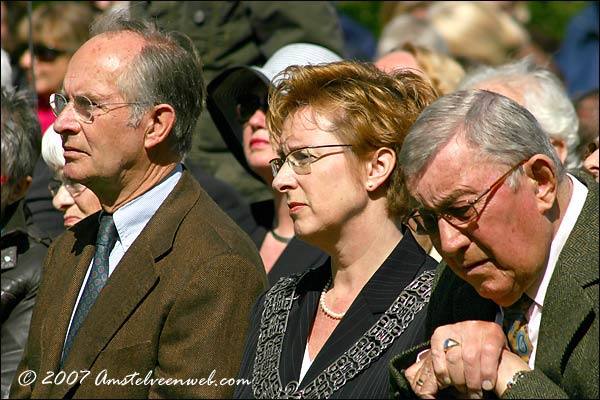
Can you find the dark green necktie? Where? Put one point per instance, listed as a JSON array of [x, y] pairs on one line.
[[105, 241], [515, 327]]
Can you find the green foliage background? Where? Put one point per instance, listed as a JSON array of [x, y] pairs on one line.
[[547, 24]]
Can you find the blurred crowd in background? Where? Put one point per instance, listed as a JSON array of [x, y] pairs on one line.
[[445, 39], [489, 45]]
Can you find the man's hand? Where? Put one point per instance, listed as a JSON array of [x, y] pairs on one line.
[[472, 365]]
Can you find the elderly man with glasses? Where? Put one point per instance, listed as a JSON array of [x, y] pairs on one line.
[[150, 296], [515, 306]]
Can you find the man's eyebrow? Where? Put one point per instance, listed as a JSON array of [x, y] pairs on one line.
[[450, 199]]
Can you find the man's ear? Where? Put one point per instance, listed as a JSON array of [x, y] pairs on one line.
[[159, 125], [19, 189], [542, 172], [561, 148], [380, 167]]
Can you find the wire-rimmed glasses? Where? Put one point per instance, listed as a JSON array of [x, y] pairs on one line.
[[74, 189], [460, 214], [301, 159], [84, 107]]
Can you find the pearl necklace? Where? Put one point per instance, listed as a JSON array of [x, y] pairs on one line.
[[326, 310]]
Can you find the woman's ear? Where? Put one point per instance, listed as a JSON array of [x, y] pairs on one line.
[[542, 172], [159, 125], [380, 167]]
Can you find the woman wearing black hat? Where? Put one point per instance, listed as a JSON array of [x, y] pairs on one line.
[[237, 102]]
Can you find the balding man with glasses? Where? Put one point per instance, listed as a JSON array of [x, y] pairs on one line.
[[515, 306], [150, 297]]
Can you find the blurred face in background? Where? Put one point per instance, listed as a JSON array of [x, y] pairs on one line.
[[49, 67], [251, 112], [57, 30], [590, 162], [75, 200], [398, 59]]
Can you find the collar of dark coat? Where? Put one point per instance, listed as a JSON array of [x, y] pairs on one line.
[[16, 221], [401, 267], [581, 247]]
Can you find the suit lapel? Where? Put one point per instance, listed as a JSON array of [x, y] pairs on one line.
[[575, 271], [300, 322], [75, 262], [131, 281]]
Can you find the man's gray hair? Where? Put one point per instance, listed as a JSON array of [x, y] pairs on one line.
[[542, 93], [500, 129], [21, 136], [168, 70]]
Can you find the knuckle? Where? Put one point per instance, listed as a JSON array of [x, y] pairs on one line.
[[470, 357]]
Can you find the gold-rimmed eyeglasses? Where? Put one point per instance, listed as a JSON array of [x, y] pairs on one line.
[[84, 107], [301, 159], [460, 214]]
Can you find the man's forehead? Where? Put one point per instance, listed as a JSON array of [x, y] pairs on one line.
[[103, 57], [453, 171], [123, 44]]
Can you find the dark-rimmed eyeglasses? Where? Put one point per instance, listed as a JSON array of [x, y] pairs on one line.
[[462, 213], [84, 107], [301, 159], [247, 105], [74, 189], [44, 53]]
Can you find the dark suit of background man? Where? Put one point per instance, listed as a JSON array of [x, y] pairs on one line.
[[183, 276]]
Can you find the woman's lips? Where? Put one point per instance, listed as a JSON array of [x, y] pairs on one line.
[[259, 142], [295, 207]]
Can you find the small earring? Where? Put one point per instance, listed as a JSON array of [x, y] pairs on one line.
[[370, 185]]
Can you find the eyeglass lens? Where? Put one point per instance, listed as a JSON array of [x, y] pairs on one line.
[[73, 188], [83, 105], [301, 159]]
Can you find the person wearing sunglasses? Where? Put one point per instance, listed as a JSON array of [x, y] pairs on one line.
[[73, 199], [24, 246], [330, 331], [156, 287], [57, 30], [237, 102], [514, 313]]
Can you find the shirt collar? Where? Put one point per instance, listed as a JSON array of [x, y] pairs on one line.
[[131, 219]]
